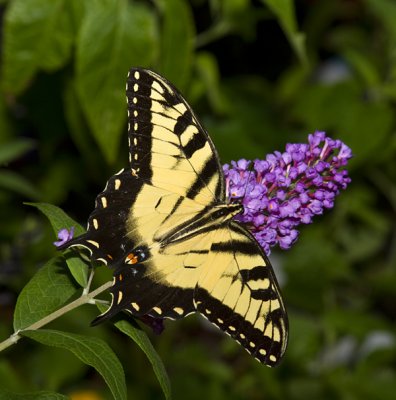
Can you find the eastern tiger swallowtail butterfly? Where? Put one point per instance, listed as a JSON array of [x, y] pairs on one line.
[[165, 227]]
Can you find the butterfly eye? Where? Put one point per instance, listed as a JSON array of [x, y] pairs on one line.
[[141, 253]]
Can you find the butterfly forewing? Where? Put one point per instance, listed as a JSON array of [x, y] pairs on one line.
[[168, 146], [106, 237], [165, 227]]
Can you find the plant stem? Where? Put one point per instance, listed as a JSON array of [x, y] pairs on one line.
[[214, 33], [91, 275], [84, 299]]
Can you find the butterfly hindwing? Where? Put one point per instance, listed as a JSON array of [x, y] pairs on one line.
[[162, 285], [166, 229], [242, 297], [223, 274]]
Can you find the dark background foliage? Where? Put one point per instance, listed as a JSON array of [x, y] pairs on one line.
[[259, 76]]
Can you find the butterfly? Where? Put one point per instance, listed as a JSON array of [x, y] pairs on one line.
[[166, 228]]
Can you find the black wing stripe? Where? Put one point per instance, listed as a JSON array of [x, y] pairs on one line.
[[209, 170], [254, 273], [244, 247]]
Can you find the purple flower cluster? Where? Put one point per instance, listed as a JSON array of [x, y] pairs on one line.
[[64, 236], [287, 189]]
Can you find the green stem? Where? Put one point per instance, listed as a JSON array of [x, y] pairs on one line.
[[212, 34], [84, 299], [91, 275]]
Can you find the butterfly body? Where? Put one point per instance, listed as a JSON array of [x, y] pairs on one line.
[[215, 216], [166, 228]]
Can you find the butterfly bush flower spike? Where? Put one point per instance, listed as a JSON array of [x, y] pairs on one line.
[[287, 189], [64, 236]]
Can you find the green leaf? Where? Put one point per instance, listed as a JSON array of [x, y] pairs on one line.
[[42, 395], [6, 127], [355, 323], [48, 290], [142, 340], [284, 11], [304, 347], [77, 11], [366, 237], [16, 148], [14, 182], [208, 82], [10, 379], [38, 34], [91, 351], [385, 10], [124, 34], [78, 127], [57, 367], [177, 42], [339, 108], [364, 66], [77, 267], [59, 220], [234, 7]]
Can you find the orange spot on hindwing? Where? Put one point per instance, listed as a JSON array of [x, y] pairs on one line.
[[131, 259]]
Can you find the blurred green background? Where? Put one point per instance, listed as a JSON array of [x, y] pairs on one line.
[[259, 74]]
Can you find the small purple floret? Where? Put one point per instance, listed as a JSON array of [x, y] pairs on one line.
[[287, 189], [156, 324], [64, 236]]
